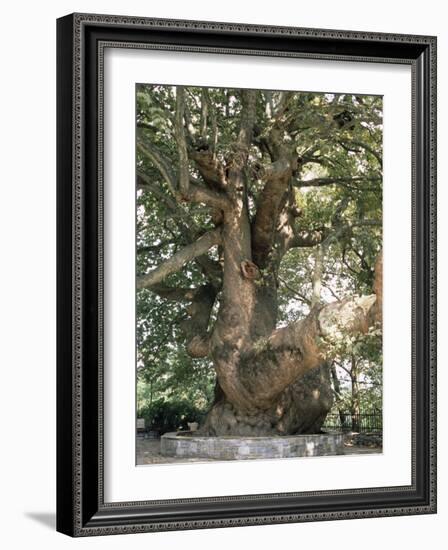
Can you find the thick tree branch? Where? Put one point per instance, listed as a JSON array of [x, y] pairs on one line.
[[290, 352], [176, 262], [175, 294], [184, 175], [211, 269], [277, 191], [248, 115], [196, 327], [201, 304], [238, 294], [205, 104], [307, 239], [208, 197], [271, 199], [349, 316]]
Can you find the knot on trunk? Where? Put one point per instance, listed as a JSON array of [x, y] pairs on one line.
[[198, 346], [250, 270]]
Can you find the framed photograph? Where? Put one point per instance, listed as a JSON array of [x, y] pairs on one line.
[[246, 274]]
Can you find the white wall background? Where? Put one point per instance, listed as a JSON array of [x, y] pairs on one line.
[[27, 289]]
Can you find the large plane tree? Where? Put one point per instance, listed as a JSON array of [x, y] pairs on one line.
[[258, 245]]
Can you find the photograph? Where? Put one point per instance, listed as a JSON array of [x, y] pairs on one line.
[[259, 217]]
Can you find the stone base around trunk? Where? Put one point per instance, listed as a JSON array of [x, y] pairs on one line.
[[186, 445]]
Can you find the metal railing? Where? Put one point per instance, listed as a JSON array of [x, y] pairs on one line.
[[370, 422]]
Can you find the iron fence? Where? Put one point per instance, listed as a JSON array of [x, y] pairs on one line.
[[370, 422]]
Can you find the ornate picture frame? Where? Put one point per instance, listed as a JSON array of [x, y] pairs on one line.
[[81, 506]]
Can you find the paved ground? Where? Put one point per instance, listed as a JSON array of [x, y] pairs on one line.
[[148, 452]]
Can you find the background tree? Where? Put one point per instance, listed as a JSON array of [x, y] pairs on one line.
[[258, 249]]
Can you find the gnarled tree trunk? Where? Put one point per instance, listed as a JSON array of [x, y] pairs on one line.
[[300, 409]]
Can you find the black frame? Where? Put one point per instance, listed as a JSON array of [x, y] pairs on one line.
[[81, 510]]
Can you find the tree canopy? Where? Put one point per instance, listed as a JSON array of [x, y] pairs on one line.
[[308, 170]]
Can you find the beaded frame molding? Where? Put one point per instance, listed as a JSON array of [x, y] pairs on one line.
[[81, 39]]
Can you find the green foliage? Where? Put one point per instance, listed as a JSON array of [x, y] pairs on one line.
[[169, 416], [359, 370]]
